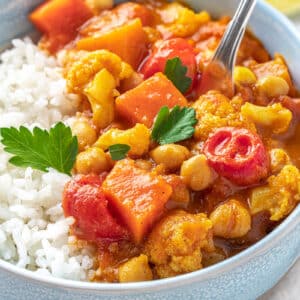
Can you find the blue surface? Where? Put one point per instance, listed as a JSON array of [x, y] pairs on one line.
[[246, 275]]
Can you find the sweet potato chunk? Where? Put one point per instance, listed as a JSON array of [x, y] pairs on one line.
[[84, 200], [59, 21], [138, 196], [141, 104], [116, 17], [128, 41]]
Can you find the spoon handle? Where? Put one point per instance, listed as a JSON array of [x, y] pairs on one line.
[[234, 33]]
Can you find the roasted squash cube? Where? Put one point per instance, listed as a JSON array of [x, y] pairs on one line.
[[59, 21], [141, 104], [137, 195], [128, 41]]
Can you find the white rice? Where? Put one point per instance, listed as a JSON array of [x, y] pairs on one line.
[[33, 230]]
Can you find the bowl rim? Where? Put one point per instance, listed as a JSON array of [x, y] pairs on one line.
[[174, 282]]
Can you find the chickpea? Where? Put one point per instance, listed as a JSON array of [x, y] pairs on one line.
[[231, 220], [135, 269], [196, 173], [92, 160], [243, 75], [170, 155], [86, 134], [272, 86]]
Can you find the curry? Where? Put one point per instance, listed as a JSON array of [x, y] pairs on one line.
[[169, 180]]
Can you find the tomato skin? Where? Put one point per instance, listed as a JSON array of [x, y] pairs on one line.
[[238, 155], [84, 200], [168, 49]]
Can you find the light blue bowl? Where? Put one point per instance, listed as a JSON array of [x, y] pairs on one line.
[[244, 276]]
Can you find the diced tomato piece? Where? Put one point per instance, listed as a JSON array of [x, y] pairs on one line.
[[138, 196], [141, 104], [168, 49], [84, 200], [59, 21], [237, 154]]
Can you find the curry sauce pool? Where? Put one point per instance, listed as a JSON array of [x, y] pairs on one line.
[[165, 181]]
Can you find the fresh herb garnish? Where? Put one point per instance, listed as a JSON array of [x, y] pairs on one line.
[[41, 149], [176, 72], [118, 151], [174, 125]]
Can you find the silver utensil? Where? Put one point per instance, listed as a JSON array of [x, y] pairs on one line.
[[217, 75]]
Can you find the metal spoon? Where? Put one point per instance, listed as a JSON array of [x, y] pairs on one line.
[[217, 75]]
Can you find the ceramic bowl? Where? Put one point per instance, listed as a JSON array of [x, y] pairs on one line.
[[244, 276]]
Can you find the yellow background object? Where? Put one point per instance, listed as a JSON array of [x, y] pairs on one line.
[[289, 7]]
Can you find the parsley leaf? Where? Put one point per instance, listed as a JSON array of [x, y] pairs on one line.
[[174, 125], [41, 149], [176, 72], [118, 151]]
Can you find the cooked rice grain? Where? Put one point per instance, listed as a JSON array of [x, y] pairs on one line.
[[33, 230]]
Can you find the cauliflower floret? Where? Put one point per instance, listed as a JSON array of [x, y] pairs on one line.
[[274, 117], [280, 196], [68, 57], [138, 138], [174, 246], [101, 92], [96, 76], [214, 110], [180, 21], [83, 71]]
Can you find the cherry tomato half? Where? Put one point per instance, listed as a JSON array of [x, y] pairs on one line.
[[168, 49], [237, 154], [84, 200]]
